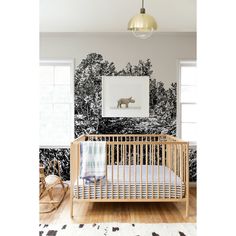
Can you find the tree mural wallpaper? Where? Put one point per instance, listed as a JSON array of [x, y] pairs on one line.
[[88, 92], [88, 105]]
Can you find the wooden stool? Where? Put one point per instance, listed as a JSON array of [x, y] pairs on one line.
[[48, 183]]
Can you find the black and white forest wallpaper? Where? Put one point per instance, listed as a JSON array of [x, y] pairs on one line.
[[88, 108]]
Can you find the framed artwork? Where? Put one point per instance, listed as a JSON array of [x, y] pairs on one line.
[[125, 96]]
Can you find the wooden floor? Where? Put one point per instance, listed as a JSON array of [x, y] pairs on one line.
[[122, 212]]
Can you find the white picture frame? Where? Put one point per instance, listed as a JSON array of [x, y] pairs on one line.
[[125, 96]]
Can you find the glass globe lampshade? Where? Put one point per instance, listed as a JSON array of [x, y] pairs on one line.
[[142, 34], [142, 25]]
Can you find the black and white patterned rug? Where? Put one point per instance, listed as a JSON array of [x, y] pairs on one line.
[[117, 229]]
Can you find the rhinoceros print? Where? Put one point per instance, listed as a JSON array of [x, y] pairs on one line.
[[125, 101]]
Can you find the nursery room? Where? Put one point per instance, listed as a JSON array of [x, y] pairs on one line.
[[118, 117]]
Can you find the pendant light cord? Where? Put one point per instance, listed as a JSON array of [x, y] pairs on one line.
[[142, 10]]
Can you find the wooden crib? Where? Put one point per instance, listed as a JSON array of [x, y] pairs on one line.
[[140, 168]]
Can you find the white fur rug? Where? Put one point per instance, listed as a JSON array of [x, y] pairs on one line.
[[117, 229]]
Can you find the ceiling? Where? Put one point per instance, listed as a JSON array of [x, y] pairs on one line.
[[113, 15]]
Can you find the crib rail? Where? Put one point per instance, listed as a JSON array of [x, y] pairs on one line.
[[139, 168]]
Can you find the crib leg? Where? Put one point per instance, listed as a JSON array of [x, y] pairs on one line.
[[71, 208], [187, 208]]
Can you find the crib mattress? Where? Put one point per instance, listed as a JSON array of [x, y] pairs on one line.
[[133, 182]]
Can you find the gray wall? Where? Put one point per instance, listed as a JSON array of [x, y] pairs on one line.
[[164, 49]]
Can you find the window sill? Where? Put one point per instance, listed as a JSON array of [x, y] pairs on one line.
[[53, 147]]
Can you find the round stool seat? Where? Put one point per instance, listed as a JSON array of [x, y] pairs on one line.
[[52, 179]]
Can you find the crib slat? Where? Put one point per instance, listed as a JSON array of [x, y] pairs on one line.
[[109, 155], [175, 164], [89, 190], [184, 164], [170, 162], [101, 184], [152, 169], [138, 154], [83, 189], [158, 170], [78, 175], [141, 167], [124, 171], [134, 146], [187, 179], [163, 163], [121, 173], [118, 170], [72, 176], [181, 171], [129, 172], [95, 184], [112, 161], [146, 171], [77, 146]]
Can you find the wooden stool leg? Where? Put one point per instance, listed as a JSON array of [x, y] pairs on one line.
[[51, 198], [63, 186], [71, 207]]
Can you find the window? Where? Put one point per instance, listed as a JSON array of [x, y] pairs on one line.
[[187, 102], [56, 103]]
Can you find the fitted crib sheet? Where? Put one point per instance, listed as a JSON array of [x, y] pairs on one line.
[[157, 182]]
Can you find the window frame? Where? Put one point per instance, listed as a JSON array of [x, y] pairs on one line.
[[55, 62], [180, 63]]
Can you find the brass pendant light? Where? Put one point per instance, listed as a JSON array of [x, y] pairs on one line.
[[142, 25]]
